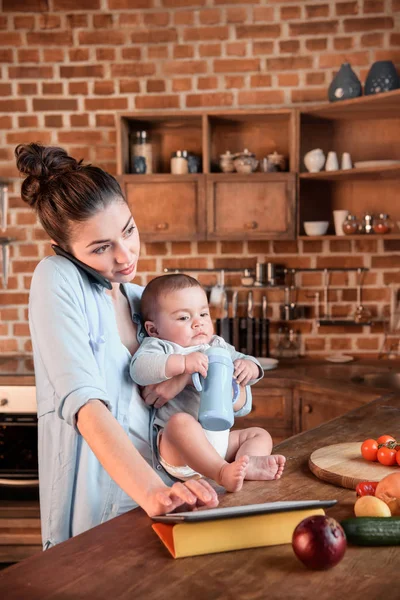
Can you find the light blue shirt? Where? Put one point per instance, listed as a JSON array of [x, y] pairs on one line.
[[78, 356]]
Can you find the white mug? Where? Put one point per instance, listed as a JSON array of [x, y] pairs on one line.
[[332, 163], [346, 163], [339, 217]]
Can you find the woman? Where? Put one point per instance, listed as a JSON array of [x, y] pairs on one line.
[[95, 458]]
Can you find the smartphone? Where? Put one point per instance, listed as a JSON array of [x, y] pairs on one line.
[[93, 274]]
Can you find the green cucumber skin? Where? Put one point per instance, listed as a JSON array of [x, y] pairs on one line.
[[372, 531]]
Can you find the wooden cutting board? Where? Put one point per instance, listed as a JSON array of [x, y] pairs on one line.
[[343, 465]]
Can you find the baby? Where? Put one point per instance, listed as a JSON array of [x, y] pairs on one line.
[[177, 319]]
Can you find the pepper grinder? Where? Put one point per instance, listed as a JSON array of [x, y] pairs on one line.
[[366, 225]]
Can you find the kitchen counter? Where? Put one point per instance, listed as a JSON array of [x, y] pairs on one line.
[[124, 559]]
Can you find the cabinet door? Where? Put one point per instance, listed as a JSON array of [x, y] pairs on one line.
[[272, 410], [255, 206], [316, 408], [167, 207]]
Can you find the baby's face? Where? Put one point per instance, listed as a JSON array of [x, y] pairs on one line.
[[183, 317]]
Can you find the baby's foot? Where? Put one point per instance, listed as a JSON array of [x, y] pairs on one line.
[[232, 474], [265, 468]]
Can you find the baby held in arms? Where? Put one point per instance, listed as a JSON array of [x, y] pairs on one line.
[[177, 319]]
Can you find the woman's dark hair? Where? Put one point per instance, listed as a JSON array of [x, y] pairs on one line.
[[163, 285], [63, 190]]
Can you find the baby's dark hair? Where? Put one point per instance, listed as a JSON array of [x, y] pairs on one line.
[[63, 190], [163, 285]]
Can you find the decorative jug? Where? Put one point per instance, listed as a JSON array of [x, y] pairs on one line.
[[314, 160]]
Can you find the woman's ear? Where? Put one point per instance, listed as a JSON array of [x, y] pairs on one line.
[[151, 329]]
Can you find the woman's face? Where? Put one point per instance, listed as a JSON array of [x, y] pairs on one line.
[[109, 242]]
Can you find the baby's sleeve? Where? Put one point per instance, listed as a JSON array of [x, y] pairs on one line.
[[149, 362]]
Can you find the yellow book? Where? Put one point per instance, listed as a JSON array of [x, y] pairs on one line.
[[222, 535]]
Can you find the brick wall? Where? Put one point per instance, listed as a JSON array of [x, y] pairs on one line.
[[66, 71]]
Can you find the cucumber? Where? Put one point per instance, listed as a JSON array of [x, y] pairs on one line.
[[372, 531]]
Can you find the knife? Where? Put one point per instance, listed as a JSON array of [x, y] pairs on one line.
[[264, 328], [225, 318], [250, 324], [235, 321]]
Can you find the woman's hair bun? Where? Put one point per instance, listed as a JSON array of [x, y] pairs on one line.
[[41, 164]]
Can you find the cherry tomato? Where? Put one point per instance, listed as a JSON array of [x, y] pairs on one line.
[[366, 488], [369, 449], [385, 438], [387, 456], [398, 457]]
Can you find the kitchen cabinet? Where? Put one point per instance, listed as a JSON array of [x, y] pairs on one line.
[[211, 205], [311, 408]]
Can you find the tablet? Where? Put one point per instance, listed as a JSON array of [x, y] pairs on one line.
[[247, 510]]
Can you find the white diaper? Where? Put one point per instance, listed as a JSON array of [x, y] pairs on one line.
[[218, 439]]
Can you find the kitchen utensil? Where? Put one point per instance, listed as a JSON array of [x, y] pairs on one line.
[[261, 274], [361, 313], [5, 251], [217, 291], [250, 324], [216, 399], [316, 227], [326, 292], [225, 318], [235, 321], [365, 164], [264, 327], [339, 358], [339, 217], [3, 206], [343, 465]]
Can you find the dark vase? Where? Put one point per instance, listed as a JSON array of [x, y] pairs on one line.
[[139, 165], [382, 77], [344, 85]]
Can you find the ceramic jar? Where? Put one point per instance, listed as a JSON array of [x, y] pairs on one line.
[[245, 162], [278, 160], [226, 162], [314, 160], [344, 85], [179, 163], [382, 77]]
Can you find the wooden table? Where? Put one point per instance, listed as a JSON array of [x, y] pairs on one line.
[[123, 559]]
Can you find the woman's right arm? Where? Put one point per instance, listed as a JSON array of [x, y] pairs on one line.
[[130, 471]]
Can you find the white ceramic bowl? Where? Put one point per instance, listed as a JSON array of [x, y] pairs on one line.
[[316, 227]]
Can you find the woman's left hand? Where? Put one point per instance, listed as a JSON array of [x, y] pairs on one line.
[[159, 394]]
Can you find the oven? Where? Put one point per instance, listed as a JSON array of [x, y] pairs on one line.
[[18, 437]]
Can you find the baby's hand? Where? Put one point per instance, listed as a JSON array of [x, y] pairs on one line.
[[245, 371], [196, 362]]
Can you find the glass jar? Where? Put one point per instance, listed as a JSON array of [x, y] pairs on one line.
[[382, 224], [141, 146], [350, 225]]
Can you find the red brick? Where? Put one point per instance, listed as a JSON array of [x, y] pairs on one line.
[[79, 137], [311, 95], [27, 89], [236, 49], [207, 83], [105, 38], [105, 153], [258, 31], [71, 5], [104, 88], [183, 263], [30, 72], [80, 120], [139, 69], [290, 63], [260, 81], [128, 19], [53, 121], [129, 86], [335, 60], [9, 345], [237, 14], [106, 104], [211, 99], [396, 5], [234, 81], [184, 67], [255, 97], [53, 55], [26, 137], [290, 12], [155, 86], [181, 3], [40, 104], [201, 34], [149, 102], [184, 17], [288, 80], [82, 71], [181, 248], [210, 16], [374, 6], [6, 56], [157, 52], [395, 39], [182, 84], [317, 10], [346, 8], [343, 43], [313, 28], [154, 36], [10, 38], [25, 5], [47, 38], [25, 22], [28, 55], [12, 106], [9, 314], [49, 21], [105, 120], [209, 50], [263, 13], [133, 53], [236, 65], [76, 20], [78, 88], [314, 344], [368, 24], [31, 121], [80, 54], [155, 248], [315, 78], [263, 48], [103, 21], [316, 44], [156, 19], [291, 46], [183, 51], [52, 88]]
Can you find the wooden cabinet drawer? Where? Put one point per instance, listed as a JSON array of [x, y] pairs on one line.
[[315, 408], [272, 410], [255, 206], [167, 208]]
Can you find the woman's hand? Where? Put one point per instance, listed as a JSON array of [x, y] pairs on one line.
[[189, 495], [159, 394]]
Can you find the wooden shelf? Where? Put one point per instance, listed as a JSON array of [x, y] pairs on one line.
[[358, 236], [348, 322], [376, 106], [373, 172]]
